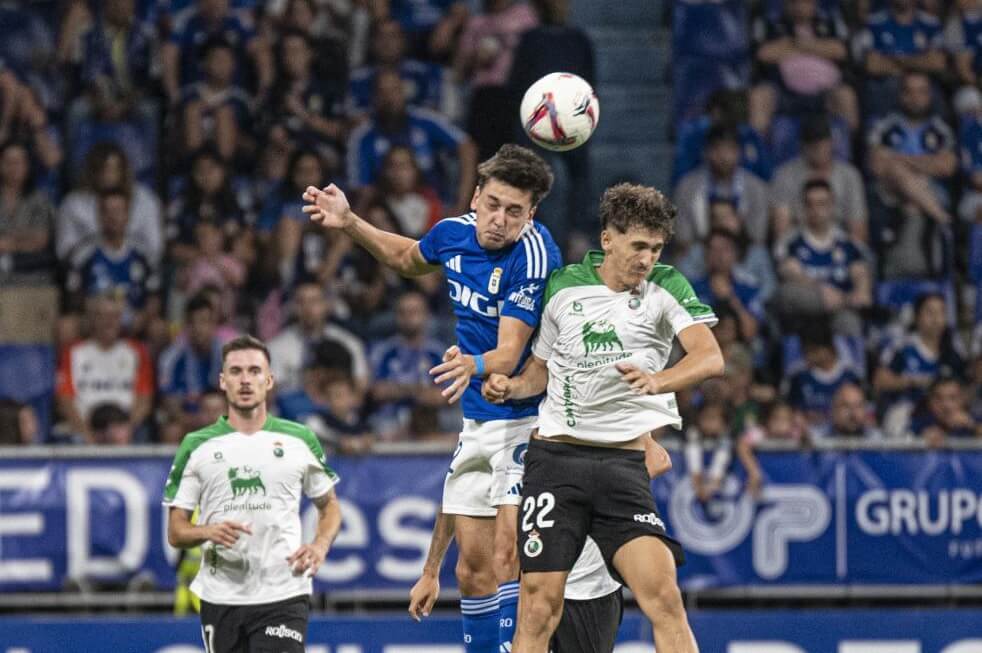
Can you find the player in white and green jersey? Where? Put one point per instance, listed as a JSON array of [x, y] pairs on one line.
[[607, 330], [246, 473]]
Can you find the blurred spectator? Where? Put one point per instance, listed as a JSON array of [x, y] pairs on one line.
[[400, 199], [22, 117], [723, 106], [212, 267], [27, 46], [106, 166], [111, 262], [909, 367], [425, 83], [211, 407], [811, 389], [944, 414], [755, 257], [430, 136], [18, 424], [851, 415], [823, 271], [777, 423], [294, 346], [484, 59], [912, 152], [726, 283], [116, 54], [554, 45], [709, 433], [895, 41], [208, 196], [213, 109], [432, 26], [336, 31], [181, 55], [346, 426], [26, 220], [304, 110], [401, 383], [104, 369], [190, 366], [110, 425], [962, 40], [817, 161], [720, 178], [801, 53], [970, 141]]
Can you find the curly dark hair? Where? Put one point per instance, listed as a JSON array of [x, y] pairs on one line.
[[519, 167], [626, 206]]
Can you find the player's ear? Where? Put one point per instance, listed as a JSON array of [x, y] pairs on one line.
[[221, 381], [477, 193], [535, 207], [270, 381], [605, 240]]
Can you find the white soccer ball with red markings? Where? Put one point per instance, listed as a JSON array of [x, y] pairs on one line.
[[560, 111]]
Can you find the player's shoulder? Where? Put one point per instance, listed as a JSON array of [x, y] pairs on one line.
[[193, 440], [668, 277], [455, 228], [572, 276], [535, 253], [296, 430]]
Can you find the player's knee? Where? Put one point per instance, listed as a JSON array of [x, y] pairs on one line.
[[505, 560], [474, 579]]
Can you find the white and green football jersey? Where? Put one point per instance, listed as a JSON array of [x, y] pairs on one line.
[[257, 480], [587, 329]]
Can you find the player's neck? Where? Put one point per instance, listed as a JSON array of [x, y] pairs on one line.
[[610, 277], [247, 421]]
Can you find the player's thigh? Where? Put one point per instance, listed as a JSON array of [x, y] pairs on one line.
[[280, 627], [624, 508], [222, 628], [507, 443], [554, 517], [589, 626], [647, 565], [467, 487]]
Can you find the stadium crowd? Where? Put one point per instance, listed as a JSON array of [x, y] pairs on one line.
[[828, 175]]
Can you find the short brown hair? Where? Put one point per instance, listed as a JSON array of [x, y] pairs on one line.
[[627, 206], [519, 167], [243, 343]]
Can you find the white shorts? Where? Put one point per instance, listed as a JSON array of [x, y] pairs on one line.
[[487, 468]]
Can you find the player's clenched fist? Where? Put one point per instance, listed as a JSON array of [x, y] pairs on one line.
[[226, 533], [327, 207], [496, 388]]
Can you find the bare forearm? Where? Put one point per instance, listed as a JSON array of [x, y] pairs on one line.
[[328, 522], [390, 249], [532, 381], [439, 543], [826, 48], [928, 62], [692, 369]]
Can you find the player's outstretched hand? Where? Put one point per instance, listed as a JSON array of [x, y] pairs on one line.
[[327, 207], [497, 388], [423, 595], [456, 367], [226, 533], [641, 382], [307, 559]]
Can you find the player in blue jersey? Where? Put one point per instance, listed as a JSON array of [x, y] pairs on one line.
[[496, 260]]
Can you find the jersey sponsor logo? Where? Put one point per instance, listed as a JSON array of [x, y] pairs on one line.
[[524, 296], [600, 335], [283, 632], [250, 482], [495, 281], [650, 518], [569, 406], [576, 309], [471, 299]]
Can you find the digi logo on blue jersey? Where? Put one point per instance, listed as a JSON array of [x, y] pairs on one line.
[[472, 299]]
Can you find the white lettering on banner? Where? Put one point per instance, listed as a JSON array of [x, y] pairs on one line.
[[354, 534], [879, 512], [880, 646], [965, 646], [394, 533], [799, 513], [763, 647], [24, 523], [78, 485], [423, 648], [793, 513]]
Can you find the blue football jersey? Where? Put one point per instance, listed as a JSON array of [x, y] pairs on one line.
[[486, 284], [884, 34], [824, 262], [811, 389]]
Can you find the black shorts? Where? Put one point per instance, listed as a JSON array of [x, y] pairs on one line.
[[589, 626], [279, 627], [571, 491]]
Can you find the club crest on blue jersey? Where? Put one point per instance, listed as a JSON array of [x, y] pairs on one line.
[[495, 281]]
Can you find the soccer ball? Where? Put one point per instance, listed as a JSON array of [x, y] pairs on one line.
[[560, 111]]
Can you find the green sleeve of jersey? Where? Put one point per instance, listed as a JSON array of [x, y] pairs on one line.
[[675, 283], [188, 445], [300, 431]]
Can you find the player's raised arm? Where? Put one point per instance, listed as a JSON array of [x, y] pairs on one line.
[[703, 360], [330, 208], [530, 382]]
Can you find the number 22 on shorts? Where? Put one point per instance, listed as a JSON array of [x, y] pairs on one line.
[[543, 504]]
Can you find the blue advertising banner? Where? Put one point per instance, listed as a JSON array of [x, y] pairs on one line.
[[829, 518], [780, 631]]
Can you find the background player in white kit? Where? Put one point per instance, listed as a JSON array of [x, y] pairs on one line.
[[607, 331], [246, 473], [496, 261], [593, 602]]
